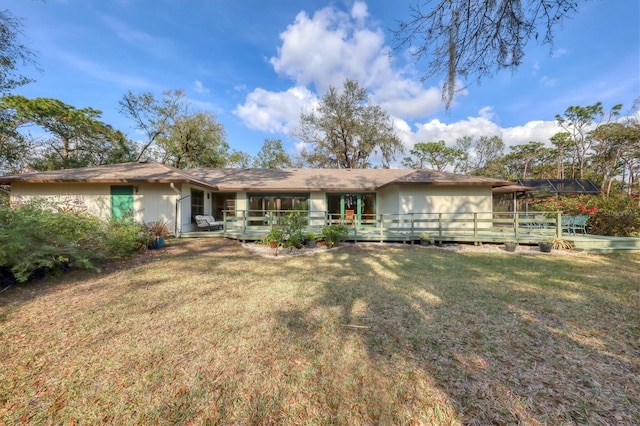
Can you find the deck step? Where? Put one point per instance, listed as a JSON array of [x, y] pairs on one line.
[[602, 244]]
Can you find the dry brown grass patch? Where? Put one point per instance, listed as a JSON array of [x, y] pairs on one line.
[[205, 332]]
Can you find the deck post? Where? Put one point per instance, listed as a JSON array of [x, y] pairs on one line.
[[381, 222], [559, 224], [244, 221], [355, 230], [475, 224], [516, 223], [440, 224], [412, 227], [224, 221]]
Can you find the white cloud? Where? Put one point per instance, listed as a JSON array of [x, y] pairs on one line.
[[482, 125], [324, 49], [408, 99], [486, 113], [359, 11], [275, 112], [199, 87], [328, 47]]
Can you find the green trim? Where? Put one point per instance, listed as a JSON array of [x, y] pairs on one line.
[[121, 201]]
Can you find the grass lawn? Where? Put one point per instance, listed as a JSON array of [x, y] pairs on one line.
[[206, 333]]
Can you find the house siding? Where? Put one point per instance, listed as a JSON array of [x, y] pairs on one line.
[[453, 201], [317, 205], [151, 202], [96, 197], [157, 202]]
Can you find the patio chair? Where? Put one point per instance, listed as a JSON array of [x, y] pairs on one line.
[[567, 224], [349, 217], [580, 224], [202, 223], [541, 221], [213, 223], [529, 221]]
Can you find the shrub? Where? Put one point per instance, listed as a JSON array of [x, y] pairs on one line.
[[124, 237], [291, 228], [39, 237], [333, 234], [615, 215]]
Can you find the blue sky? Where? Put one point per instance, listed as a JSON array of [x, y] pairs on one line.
[[257, 64]]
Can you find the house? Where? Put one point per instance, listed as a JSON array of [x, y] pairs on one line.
[[153, 191]]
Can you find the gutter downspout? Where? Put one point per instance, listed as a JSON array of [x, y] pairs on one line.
[[178, 231]]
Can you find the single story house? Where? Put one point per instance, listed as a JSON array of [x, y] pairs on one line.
[[152, 191]]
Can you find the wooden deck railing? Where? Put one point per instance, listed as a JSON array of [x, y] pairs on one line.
[[436, 224]]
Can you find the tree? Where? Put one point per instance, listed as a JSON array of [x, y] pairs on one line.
[[616, 151], [12, 53], [272, 155], [577, 121], [238, 159], [195, 140], [631, 155], [173, 134], [151, 116], [462, 163], [563, 146], [482, 156], [15, 146], [523, 157], [462, 38], [77, 137], [436, 155], [345, 130]]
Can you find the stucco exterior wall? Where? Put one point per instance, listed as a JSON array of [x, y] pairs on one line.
[[151, 202], [317, 206], [387, 200], [95, 197], [455, 202], [444, 199]]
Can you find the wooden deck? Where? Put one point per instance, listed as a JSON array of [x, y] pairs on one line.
[[471, 229]]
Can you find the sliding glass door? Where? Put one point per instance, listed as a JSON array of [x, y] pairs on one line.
[[352, 208]]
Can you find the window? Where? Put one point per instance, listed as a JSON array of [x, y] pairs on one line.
[[197, 203], [223, 202], [342, 206], [259, 204]]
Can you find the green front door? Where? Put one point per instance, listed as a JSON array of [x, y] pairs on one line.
[[121, 201]]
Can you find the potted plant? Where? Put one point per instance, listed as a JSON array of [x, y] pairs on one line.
[[333, 234], [158, 231], [426, 239], [310, 239], [546, 245], [274, 238], [511, 245]]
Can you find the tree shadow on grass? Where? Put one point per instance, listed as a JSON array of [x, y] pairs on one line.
[[498, 342], [355, 336]]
